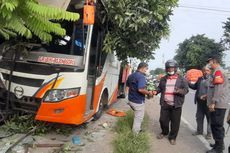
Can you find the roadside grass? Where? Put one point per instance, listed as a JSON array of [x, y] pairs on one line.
[[126, 141], [24, 123]]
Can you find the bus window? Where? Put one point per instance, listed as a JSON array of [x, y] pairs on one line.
[[101, 57], [80, 32], [97, 56], [93, 51], [61, 45], [73, 43]]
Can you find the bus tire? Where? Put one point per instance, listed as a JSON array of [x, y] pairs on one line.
[[102, 104]]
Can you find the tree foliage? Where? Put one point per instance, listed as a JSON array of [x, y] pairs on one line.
[[226, 36], [152, 72], [27, 17], [194, 52], [157, 71], [137, 26]]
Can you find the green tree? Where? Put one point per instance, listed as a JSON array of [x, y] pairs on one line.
[[137, 26], [152, 72], [157, 71], [27, 17], [194, 52], [226, 36]]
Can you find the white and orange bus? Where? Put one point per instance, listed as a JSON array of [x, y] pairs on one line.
[[69, 80]]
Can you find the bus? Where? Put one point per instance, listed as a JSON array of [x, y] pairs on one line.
[[69, 80]]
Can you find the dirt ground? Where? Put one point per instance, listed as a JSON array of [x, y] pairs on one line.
[[97, 136], [93, 137]]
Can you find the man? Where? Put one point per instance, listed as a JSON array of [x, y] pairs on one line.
[[201, 87], [173, 89], [125, 72], [137, 83], [217, 103]]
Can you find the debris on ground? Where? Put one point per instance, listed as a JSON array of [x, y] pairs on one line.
[[115, 112], [20, 140], [76, 140], [53, 135], [105, 125]]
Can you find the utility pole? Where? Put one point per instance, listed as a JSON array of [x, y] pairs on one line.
[[163, 59]]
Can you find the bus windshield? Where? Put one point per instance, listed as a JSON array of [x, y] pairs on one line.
[[73, 43]]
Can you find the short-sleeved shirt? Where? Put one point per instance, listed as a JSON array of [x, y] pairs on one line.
[[136, 81]]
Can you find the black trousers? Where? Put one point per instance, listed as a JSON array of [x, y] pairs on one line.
[[201, 112], [170, 115], [217, 126]]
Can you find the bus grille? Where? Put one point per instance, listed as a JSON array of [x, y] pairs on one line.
[[24, 81]]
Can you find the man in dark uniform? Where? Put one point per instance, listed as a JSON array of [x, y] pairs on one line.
[[217, 103]]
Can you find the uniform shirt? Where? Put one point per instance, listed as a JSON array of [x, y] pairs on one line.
[[218, 89], [136, 81]]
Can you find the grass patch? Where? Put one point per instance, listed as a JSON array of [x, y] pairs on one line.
[[128, 142], [24, 123]]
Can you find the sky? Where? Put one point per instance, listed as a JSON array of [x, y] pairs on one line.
[[186, 22]]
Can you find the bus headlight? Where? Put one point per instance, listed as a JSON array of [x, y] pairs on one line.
[[56, 95]]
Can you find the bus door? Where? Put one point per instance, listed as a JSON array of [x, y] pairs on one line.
[[95, 65], [79, 46]]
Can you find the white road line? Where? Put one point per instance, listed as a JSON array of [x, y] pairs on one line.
[[201, 138]]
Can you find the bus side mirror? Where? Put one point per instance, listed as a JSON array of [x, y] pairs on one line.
[[89, 14]]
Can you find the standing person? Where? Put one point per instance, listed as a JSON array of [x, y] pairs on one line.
[[124, 73], [137, 83], [201, 87], [217, 103], [173, 88]]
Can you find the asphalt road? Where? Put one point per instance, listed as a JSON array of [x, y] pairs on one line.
[[189, 111]]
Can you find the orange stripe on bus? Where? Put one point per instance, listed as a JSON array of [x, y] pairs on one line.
[[114, 96], [97, 93], [43, 90], [71, 111]]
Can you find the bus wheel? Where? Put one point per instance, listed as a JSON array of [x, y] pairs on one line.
[[103, 102]]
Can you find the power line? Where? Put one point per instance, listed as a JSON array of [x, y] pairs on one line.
[[205, 8]]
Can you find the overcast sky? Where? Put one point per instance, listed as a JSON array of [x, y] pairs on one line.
[[190, 21]]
